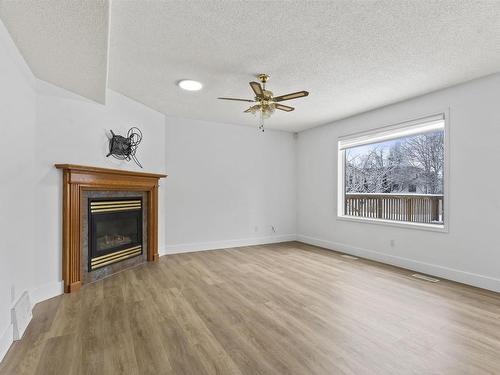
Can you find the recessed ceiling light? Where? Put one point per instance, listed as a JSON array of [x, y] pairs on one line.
[[190, 85]]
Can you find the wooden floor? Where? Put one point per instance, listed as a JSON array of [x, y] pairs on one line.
[[275, 309]]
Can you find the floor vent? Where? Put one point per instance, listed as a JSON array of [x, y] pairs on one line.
[[426, 278], [348, 256]]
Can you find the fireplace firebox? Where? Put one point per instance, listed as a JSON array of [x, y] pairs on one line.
[[115, 230]]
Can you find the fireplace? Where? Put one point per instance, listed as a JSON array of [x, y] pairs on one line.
[[79, 183], [115, 230]]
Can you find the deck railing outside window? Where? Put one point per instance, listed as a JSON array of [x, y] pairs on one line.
[[416, 208]]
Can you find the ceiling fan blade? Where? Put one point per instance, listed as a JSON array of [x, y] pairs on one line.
[[251, 108], [284, 107], [293, 95], [239, 100], [257, 88]]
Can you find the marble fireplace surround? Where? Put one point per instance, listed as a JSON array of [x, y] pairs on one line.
[[78, 181]]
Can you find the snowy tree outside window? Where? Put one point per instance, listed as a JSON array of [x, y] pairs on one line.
[[395, 175], [406, 165]]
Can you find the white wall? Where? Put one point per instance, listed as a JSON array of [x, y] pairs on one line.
[[17, 125], [228, 185], [42, 125], [470, 251], [71, 129]]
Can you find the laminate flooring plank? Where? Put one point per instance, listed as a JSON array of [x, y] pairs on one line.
[[279, 309]]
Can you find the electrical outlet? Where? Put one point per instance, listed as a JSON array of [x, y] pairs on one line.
[[392, 243], [256, 228]]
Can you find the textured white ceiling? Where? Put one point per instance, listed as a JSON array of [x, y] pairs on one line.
[[351, 56], [64, 42]]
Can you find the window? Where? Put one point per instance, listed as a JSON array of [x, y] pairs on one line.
[[395, 175]]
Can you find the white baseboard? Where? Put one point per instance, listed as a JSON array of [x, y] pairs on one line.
[[46, 291], [6, 340], [480, 281], [21, 315], [214, 245]]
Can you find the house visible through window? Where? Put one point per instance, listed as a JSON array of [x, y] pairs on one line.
[[396, 174]]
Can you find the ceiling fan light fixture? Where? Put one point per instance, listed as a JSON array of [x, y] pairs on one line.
[[266, 114], [190, 85], [266, 102]]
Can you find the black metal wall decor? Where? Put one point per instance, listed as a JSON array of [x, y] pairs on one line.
[[124, 148]]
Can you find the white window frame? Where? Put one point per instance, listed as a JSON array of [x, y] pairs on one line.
[[388, 132]]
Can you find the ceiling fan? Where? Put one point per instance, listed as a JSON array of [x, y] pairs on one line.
[[266, 101]]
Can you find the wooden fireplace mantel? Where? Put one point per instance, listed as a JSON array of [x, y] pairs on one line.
[[79, 178]]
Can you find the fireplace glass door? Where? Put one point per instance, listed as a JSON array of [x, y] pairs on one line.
[[115, 231]]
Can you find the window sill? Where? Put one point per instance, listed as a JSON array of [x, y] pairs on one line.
[[401, 224]]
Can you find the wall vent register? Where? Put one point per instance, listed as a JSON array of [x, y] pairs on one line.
[[115, 231]]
